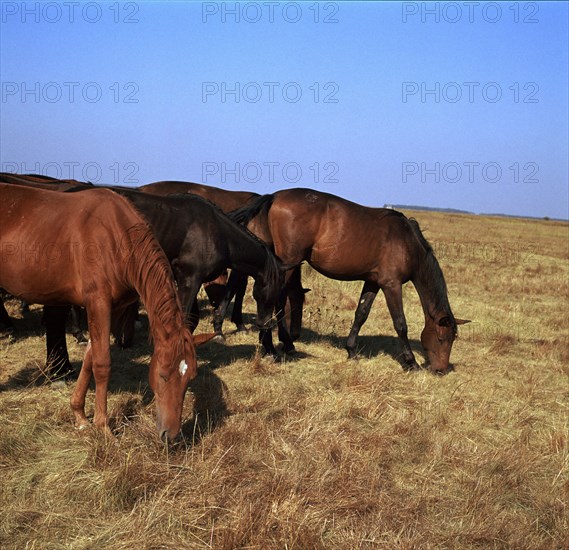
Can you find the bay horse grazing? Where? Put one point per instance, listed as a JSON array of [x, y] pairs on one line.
[[229, 201], [346, 241], [95, 250]]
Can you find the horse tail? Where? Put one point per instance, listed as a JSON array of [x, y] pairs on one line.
[[245, 214]]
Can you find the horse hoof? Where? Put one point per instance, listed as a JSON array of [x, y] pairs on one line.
[[219, 338], [80, 338], [241, 328], [9, 335]]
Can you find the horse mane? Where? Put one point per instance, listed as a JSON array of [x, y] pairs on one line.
[[246, 213], [148, 272], [430, 270]]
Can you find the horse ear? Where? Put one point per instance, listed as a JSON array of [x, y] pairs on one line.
[[306, 290], [462, 321], [200, 339]]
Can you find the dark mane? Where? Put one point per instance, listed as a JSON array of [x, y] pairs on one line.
[[430, 270]]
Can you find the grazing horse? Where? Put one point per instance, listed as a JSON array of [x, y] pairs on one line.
[[229, 201], [346, 241], [95, 250]]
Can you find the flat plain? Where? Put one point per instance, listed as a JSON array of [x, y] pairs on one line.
[[316, 451]]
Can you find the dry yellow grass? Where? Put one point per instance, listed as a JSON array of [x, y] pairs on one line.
[[320, 452]]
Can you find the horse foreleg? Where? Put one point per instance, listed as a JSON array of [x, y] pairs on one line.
[[57, 362], [232, 287], [367, 297], [295, 303], [188, 296], [266, 341], [76, 325], [99, 331], [237, 313], [394, 299]]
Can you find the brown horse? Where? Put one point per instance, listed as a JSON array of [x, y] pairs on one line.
[[347, 241], [229, 201], [93, 249]]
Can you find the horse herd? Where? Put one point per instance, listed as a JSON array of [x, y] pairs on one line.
[[66, 243]]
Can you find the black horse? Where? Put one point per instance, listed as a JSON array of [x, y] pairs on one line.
[[200, 242], [230, 201]]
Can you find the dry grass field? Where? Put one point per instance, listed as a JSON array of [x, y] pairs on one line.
[[320, 452]]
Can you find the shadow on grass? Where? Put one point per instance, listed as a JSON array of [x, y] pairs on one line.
[[31, 375], [210, 406], [367, 346]]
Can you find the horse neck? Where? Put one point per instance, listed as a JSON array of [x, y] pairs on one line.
[[431, 287], [149, 274], [248, 254]]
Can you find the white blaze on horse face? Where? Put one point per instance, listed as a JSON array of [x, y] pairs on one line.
[[183, 367]]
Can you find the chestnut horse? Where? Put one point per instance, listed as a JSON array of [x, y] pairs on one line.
[[346, 241], [95, 250], [229, 201]]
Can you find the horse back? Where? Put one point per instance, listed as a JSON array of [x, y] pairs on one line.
[[340, 238], [224, 199], [55, 247]]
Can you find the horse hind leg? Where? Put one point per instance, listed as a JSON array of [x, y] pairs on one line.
[[295, 304], [237, 313], [57, 362], [283, 332], [394, 299], [234, 285], [367, 297], [123, 323], [76, 314]]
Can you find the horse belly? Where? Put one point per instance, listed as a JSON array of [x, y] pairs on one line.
[[37, 272], [337, 263]]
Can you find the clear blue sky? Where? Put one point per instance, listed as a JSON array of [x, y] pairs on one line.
[[371, 101]]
